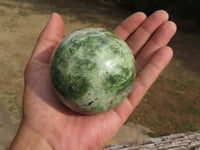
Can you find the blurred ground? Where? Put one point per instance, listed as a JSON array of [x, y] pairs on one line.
[[172, 105]]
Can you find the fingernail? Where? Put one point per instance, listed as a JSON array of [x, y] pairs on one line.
[[52, 15]]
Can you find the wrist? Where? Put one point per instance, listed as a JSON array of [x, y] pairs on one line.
[[28, 139]]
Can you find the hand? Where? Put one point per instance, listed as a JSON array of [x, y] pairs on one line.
[[48, 124]]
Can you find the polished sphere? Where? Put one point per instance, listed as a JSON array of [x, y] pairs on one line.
[[92, 70]]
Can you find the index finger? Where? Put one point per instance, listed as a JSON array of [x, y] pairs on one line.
[[129, 25]]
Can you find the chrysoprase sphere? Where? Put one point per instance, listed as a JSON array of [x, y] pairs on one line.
[[92, 70]]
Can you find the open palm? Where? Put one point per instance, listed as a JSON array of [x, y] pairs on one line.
[[60, 128]]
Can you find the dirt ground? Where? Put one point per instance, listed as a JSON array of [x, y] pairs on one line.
[[172, 105]]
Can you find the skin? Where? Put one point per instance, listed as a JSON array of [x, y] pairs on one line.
[[47, 124]]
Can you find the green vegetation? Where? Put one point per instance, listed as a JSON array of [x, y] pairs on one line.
[[162, 119], [11, 108], [192, 110], [11, 98], [187, 125], [183, 83], [153, 135]]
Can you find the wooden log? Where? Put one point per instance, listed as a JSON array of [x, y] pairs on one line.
[[182, 141]]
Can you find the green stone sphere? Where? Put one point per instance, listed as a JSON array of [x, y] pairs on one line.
[[92, 70]]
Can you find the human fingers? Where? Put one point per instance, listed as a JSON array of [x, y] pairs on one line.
[[49, 38], [138, 39], [160, 38], [143, 81], [129, 25], [146, 77]]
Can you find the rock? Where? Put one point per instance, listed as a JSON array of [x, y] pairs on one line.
[[92, 70]]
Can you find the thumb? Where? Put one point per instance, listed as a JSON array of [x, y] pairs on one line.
[[49, 39]]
